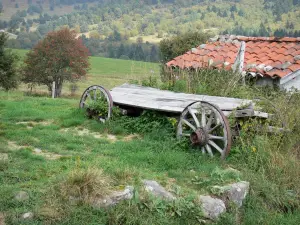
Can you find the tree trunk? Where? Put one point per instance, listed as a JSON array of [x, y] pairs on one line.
[[58, 88]]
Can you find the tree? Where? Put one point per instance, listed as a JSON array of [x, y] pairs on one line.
[[1, 6], [173, 47], [59, 57], [8, 60]]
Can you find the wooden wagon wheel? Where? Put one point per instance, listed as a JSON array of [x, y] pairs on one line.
[[95, 94], [207, 127]]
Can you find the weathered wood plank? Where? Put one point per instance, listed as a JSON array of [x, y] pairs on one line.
[[160, 100], [139, 90]]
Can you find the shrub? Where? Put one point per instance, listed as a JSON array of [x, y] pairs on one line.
[[8, 68], [175, 46]]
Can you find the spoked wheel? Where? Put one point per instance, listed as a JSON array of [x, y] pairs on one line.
[[98, 102], [207, 128]]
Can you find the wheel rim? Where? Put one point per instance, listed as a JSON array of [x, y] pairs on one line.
[[94, 94], [207, 128]]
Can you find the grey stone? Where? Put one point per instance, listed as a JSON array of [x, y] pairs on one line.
[[3, 156], [297, 57], [235, 193], [22, 196], [268, 68], [214, 39], [114, 198], [157, 190], [27, 216], [212, 208], [286, 65]]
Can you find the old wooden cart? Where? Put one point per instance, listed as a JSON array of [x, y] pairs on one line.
[[203, 119]]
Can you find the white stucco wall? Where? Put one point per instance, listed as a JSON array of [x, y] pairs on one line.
[[291, 81]]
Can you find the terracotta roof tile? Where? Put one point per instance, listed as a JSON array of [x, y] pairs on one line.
[[279, 53], [294, 67]]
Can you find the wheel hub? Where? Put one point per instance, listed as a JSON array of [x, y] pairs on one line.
[[199, 137]]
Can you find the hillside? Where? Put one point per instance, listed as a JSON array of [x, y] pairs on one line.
[[108, 24]]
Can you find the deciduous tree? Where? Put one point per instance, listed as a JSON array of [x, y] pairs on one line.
[[59, 57]]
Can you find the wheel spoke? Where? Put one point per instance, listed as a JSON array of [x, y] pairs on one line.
[[88, 94], [194, 117], [203, 117], [208, 148], [216, 147], [214, 128], [203, 150], [185, 134], [208, 125], [95, 94], [212, 137], [189, 124]]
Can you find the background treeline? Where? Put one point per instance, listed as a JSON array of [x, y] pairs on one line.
[[110, 26]]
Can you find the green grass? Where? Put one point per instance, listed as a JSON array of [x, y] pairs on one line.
[[156, 154], [107, 72]]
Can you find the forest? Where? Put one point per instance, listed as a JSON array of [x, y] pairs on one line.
[[131, 29]]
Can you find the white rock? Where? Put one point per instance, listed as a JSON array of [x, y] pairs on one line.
[[37, 150], [212, 208], [114, 198], [157, 190], [235, 193], [28, 215]]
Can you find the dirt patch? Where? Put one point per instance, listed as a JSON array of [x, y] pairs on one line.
[[13, 146], [131, 137], [2, 218], [80, 131], [83, 132], [31, 124], [36, 151], [111, 137], [47, 155]]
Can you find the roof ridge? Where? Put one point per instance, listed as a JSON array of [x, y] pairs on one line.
[[231, 38]]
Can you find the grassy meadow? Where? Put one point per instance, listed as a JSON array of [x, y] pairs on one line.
[[51, 150], [48, 141], [106, 72]]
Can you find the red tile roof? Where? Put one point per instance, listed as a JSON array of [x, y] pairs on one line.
[[266, 56]]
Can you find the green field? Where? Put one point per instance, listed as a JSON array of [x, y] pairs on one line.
[[49, 149], [63, 160], [108, 72]]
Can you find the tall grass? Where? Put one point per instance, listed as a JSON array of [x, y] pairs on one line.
[[269, 160]]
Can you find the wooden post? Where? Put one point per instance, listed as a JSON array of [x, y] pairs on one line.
[[53, 89], [238, 65]]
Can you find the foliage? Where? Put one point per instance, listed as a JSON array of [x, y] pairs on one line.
[[59, 57], [117, 23], [175, 46], [8, 68], [99, 109]]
